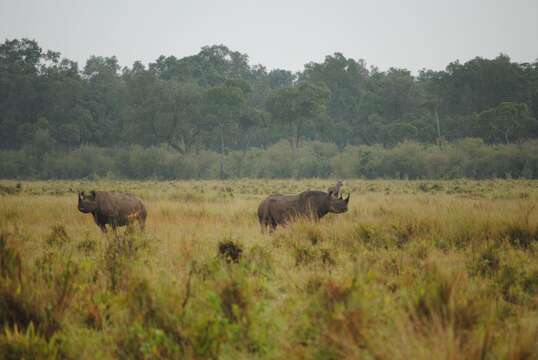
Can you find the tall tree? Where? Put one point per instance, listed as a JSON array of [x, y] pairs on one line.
[[506, 122], [295, 106], [105, 98], [347, 81], [20, 102], [223, 105]]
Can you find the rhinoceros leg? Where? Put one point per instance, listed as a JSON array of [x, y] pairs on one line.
[[268, 223], [142, 223], [142, 220], [273, 224], [140, 217], [99, 221], [264, 223], [263, 220]]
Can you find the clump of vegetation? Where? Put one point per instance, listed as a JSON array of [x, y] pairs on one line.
[[120, 254], [10, 190], [58, 237], [230, 251], [27, 344], [487, 263], [520, 235]]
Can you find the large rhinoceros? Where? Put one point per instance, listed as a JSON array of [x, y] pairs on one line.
[[113, 208], [280, 209]]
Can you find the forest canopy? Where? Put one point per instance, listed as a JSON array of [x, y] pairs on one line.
[[220, 114]]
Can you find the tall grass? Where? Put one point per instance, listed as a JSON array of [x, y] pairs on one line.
[[414, 269]]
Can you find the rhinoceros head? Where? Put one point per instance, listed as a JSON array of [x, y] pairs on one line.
[[338, 205], [87, 203]]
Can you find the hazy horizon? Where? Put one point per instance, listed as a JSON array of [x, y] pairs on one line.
[[416, 35]]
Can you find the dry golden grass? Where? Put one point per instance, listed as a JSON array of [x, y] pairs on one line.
[[414, 269]]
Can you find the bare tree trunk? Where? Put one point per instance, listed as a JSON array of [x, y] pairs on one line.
[[297, 133], [221, 152], [506, 139], [245, 148], [294, 140], [436, 114]]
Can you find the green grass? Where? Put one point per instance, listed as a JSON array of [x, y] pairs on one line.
[[414, 269]]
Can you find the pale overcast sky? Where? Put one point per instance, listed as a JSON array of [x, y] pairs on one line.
[[413, 34]]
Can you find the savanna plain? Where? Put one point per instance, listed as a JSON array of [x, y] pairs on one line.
[[414, 270]]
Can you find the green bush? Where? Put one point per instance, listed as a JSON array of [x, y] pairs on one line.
[[15, 164]]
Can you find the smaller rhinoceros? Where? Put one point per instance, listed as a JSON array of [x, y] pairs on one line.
[[113, 208]]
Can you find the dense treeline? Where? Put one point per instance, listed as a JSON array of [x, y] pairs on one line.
[[466, 158], [183, 112]]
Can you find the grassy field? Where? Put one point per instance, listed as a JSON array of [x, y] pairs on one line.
[[414, 270]]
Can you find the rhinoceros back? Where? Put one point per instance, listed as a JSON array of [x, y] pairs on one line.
[[119, 208]]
